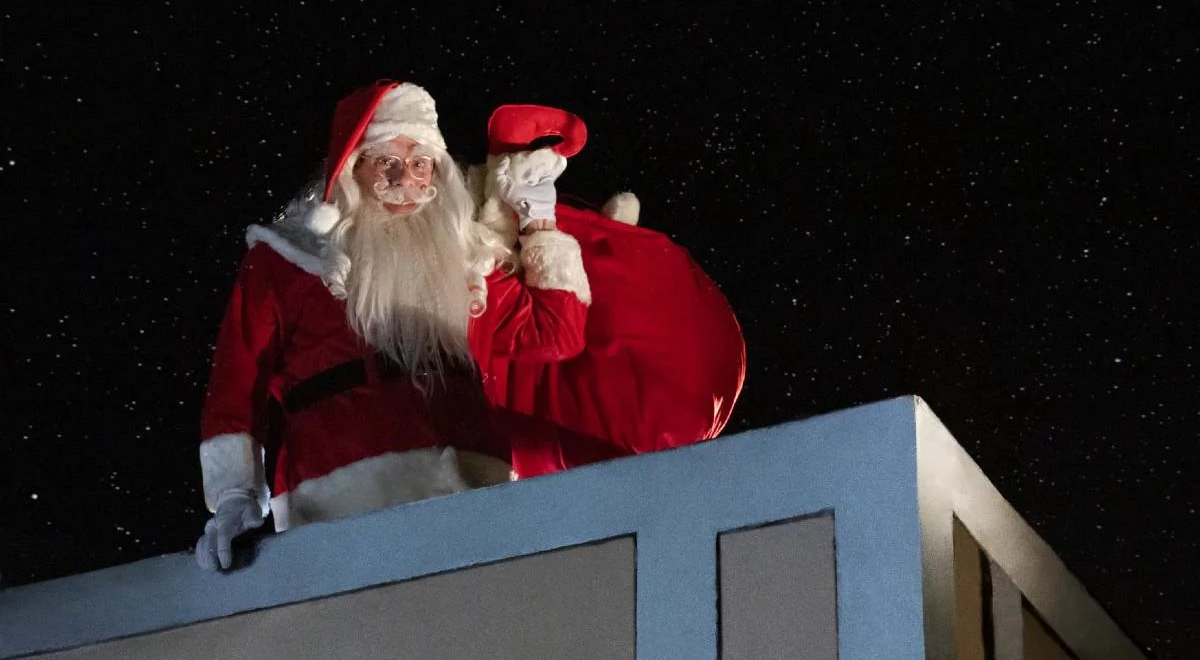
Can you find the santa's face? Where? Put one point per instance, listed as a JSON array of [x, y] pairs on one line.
[[398, 173], [402, 266]]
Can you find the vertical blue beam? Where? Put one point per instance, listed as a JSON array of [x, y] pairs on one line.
[[878, 555], [677, 594]]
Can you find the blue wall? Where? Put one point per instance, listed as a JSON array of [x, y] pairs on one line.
[[860, 463]]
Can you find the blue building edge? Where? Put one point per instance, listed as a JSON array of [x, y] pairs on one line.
[[859, 463]]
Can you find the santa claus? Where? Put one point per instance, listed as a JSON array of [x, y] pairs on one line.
[[347, 348], [400, 334]]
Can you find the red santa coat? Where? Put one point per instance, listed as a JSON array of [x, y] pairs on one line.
[[382, 442]]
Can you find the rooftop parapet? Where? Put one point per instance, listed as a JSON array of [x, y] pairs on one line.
[[861, 534]]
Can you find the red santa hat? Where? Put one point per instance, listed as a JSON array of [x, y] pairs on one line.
[[377, 113]]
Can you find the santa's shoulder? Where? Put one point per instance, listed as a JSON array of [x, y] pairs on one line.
[[278, 243]]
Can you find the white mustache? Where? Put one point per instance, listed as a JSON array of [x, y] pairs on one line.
[[398, 194]]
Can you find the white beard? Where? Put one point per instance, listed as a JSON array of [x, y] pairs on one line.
[[404, 280]]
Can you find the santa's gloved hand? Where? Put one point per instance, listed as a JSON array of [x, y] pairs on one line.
[[525, 182], [238, 512]]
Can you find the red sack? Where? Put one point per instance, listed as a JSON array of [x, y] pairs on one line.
[[664, 363]]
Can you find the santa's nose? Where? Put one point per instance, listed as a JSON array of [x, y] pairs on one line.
[[400, 176]]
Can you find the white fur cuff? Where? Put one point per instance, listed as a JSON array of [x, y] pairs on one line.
[[552, 260], [232, 461]]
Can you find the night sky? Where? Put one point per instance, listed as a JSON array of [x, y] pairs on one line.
[[990, 205]]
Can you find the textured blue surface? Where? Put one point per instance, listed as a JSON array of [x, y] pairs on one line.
[[860, 463]]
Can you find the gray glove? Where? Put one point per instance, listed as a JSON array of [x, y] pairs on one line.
[[238, 512], [528, 186]]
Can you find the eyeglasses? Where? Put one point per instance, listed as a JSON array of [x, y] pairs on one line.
[[420, 168]]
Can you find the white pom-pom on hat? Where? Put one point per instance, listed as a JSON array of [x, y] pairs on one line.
[[320, 218]]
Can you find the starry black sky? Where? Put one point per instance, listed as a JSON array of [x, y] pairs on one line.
[[991, 205]]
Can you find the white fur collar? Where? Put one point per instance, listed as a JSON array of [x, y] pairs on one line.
[[283, 243], [291, 235]]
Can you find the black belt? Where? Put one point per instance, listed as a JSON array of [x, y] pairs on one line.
[[335, 380]]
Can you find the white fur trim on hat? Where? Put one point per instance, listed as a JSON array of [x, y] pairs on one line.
[[406, 110]]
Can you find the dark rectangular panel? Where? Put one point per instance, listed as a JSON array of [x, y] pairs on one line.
[[969, 624], [572, 603], [1041, 643], [778, 591]]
